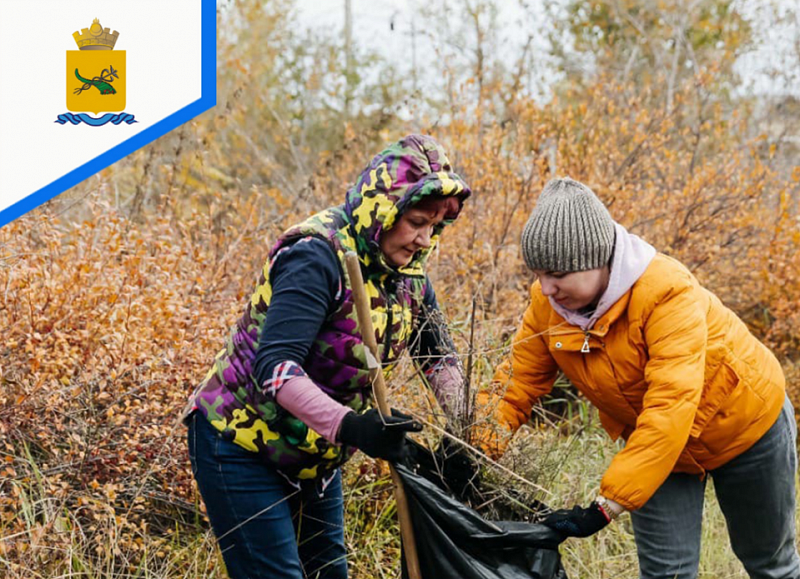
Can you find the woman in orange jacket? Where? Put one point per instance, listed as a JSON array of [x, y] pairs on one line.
[[672, 371]]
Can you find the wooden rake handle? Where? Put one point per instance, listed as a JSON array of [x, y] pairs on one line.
[[364, 313]]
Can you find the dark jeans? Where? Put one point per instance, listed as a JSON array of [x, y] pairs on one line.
[[264, 526], [756, 492]]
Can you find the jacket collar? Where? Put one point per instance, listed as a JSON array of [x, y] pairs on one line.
[[565, 337]]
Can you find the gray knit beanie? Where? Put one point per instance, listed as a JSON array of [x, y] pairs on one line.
[[569, 229]]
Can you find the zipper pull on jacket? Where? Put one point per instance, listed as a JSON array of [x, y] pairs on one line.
[[585, 347]]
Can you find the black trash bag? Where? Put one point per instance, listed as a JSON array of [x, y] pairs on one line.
[[455, 542]]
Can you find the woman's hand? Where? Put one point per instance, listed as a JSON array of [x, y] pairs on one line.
[[577, 521], [378, 436]]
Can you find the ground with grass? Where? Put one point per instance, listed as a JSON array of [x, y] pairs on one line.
[[60, 534]]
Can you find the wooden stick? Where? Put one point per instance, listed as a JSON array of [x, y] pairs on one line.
[[364, 313], [466, 409]]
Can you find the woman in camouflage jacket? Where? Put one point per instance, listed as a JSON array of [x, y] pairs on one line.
[[288, 399]]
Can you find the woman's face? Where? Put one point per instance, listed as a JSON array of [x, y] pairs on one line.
[[574, 290], [411, 232]]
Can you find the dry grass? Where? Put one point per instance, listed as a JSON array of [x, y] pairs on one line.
[[57, 541]]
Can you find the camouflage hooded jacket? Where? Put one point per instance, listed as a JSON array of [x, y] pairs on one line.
[[247, 412]]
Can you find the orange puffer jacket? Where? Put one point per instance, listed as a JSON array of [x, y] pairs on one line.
[[671, 370]]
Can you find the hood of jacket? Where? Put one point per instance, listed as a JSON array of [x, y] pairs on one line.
[[400, 176]]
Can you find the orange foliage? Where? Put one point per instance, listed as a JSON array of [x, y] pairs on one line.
[[109, 323]]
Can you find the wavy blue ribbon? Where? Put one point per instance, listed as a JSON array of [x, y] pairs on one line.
[[95, 122]]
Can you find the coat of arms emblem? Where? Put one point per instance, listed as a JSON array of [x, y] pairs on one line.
[[96, 78]]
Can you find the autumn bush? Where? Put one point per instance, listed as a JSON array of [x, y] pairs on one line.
[[109, 322], [117, 295]]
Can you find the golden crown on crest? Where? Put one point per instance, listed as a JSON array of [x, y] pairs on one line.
[[96, 37]]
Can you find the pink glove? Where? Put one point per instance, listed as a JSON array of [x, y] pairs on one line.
[[447, 383]]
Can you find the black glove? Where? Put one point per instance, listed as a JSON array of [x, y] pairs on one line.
[[577, 521], [459, 470], [378, 436]]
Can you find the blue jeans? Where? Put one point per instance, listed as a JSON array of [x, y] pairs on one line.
[[756, 492], [264, 526]]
